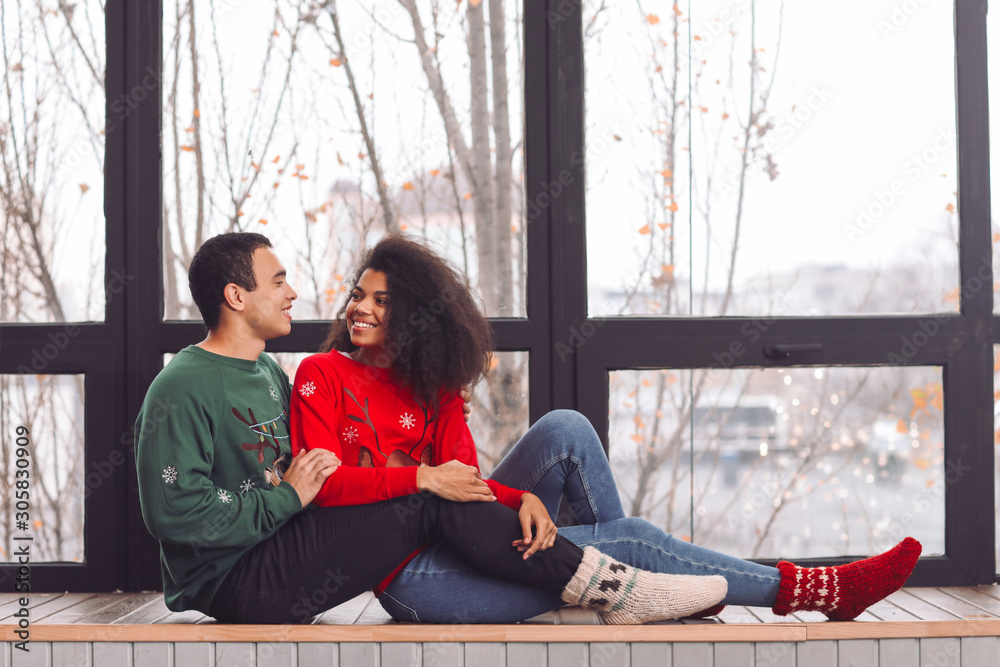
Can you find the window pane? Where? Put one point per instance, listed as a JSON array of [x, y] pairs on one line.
[[499, 403], [789, 463], [44, 416], [52, 129], [772, 178], [325, 135]]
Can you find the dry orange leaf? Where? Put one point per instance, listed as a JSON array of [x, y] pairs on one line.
[[336, 62], [636, 437], [275, 33], [262, 221], [187, 148], [697, 38], [239, 214], [901, 427], [677, 10], [83, 188], [666, 173], [653, 19], [275, 160], [673, 207], [303, 177], [724, 115], [407, 186], [276, 184], [300, 166], [197, 114], [255, 166], [663, 225], [435, 172], [468, 195], [950, 208], [645, 229], [310, 216], [922, 463]]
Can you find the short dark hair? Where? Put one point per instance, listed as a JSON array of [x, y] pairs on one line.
[[435, 326], [222, 259]]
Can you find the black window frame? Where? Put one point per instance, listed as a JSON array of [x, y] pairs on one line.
[[120, 356]]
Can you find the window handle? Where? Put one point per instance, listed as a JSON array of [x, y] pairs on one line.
[[785, 350]]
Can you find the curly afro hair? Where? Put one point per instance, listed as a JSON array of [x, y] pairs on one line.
[[436, 332]]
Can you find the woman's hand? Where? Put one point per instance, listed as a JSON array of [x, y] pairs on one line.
[[454, 481], [534, 514]]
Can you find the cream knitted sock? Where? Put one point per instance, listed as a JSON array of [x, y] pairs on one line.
[[627, 595]]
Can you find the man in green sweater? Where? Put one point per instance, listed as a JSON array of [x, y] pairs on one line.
[[215, 420]]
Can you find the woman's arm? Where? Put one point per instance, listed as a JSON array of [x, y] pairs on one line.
[[454, 442]]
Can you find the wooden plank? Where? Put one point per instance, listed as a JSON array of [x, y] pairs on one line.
[[713, 632], [775, 654], [892, 630], [940, 652], [734, 614], [887, 611], [816, 654], [360, 654], [402, 654], [190, 654], [487, 654], [695, 653], [181, 618], [150, 612], [346, 613], [445, 654], [108, 654], [905, 600], [574, 654], [607, 654], [71, 654], [898, 652], [84, 606], [39, 654], [151, 654], [857, 653], [976, 596], [234, 655], [121, 605], [980, 651], [949, 603], [736, 654], [577, 616], [524, 655], [275, 654], [48, 604], [325, 654], [652, 654]]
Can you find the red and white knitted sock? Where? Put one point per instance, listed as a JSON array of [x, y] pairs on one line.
[[844, 591]]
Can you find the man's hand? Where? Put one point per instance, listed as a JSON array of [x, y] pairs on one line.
[[454, 481], [534, 514], [467, 406], [308, 471]]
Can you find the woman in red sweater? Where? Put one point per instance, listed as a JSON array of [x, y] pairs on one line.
[[383, 396]]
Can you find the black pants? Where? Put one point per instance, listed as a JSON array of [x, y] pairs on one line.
[[325, 556]]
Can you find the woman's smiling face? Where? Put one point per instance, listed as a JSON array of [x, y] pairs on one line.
[[367, 313]]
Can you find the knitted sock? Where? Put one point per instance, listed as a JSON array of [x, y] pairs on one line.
[[844, 591], [627, 595]]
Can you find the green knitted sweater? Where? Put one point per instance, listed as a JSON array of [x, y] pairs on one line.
[[209, 428]]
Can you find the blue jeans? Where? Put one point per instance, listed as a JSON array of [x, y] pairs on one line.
[[561, 454]]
